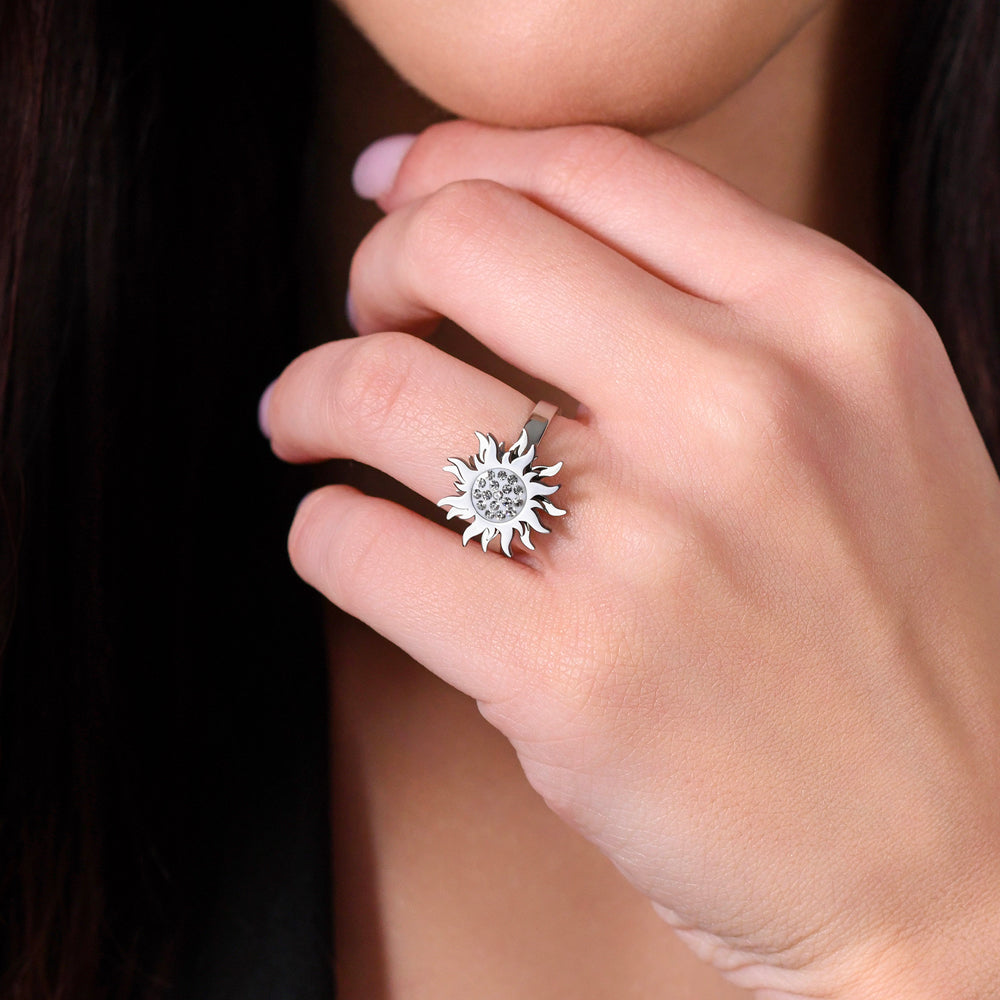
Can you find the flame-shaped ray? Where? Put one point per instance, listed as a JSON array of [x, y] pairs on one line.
[[543, 489], [549, 470], [459, 469], [506, 537], [530, 519]]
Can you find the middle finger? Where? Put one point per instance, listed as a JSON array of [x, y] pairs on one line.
[[540, 293]]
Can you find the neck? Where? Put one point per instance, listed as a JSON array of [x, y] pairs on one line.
[[802, 136]]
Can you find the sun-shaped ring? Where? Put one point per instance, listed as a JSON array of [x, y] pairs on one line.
[[500, 491]]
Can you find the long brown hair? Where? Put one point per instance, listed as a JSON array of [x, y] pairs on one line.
[[150, 166], [151, 160]]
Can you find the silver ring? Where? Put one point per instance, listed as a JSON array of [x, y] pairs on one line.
[[538, 422], [500, 491]]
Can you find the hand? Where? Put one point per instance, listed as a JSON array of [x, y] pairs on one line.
[[756, 662]]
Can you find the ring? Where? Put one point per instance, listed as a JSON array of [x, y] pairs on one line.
[[500, 491]]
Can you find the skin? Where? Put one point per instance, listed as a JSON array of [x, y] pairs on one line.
[[647, 65], [754, 666]]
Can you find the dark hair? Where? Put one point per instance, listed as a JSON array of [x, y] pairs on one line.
[[942, 187], [161, 685], [162, 677]]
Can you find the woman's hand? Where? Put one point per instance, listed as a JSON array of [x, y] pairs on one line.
[[757, 661]]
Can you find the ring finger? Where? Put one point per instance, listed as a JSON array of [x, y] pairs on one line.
[[399, 404]]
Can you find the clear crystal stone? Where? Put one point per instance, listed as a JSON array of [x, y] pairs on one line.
[[498, 495]]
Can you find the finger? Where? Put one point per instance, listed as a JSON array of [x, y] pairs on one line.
[[673, 218], [400, 405], [540, 293], [410, 581]]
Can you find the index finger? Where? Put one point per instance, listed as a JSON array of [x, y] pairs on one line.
[[676, 220]]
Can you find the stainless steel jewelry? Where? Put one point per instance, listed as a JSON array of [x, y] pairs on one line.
[[499, 491], [539, 421]]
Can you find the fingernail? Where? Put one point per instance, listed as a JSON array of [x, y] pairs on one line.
[[265, 402], [376, 168]]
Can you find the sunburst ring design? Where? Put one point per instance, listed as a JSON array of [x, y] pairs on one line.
[[500, 491]]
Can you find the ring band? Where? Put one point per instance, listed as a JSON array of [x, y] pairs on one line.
[[539, 421], [500, 491]]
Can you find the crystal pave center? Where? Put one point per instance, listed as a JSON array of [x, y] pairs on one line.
[[498, 495]]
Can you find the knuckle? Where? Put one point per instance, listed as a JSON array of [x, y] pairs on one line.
[[909, 359], [371, 383], [583, 154], [751, 404], [455, 223], [436, 148], [895, 323], [757, 433], [810, 275], [878, 340]]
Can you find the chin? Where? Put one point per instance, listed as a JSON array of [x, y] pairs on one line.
[[536, 111], [544, 99], [650, 66]]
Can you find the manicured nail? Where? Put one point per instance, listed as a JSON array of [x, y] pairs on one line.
[[265, 402], [376, 168]]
